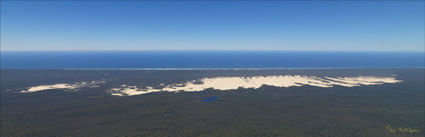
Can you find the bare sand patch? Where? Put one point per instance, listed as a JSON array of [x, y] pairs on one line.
[[132, 90], [231, 83], [227, 83], [73, 86]]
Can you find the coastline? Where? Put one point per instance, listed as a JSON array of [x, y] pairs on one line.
[[320, 68]]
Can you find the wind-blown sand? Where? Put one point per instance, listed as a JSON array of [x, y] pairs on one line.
[[228, 83], [47, 87], [231, 83], [132, 90], [74, 86]]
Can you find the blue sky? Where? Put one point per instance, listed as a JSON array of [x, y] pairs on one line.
[[236, 25]]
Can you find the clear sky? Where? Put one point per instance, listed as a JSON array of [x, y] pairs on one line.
[[236, 25]]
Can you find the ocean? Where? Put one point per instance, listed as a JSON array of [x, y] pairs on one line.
[[207, 59]]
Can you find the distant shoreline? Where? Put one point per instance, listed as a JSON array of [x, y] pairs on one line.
[[327, 68], [209, 60]]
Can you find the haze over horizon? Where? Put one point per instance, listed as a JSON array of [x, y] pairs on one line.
[[235, 26]]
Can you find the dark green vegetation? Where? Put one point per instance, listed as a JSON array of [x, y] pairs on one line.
[[363, 111]]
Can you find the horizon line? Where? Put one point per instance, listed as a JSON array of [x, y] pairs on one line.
[[277, 68], [423, 51]]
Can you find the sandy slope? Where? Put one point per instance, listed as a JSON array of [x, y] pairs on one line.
[[229, 83]]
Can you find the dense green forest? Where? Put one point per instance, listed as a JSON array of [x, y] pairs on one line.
[[390, 110]]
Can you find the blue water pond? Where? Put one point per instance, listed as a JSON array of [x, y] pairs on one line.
[[210, 99]]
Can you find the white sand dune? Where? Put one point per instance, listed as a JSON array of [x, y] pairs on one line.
[[74, 86], [132, 90], [47, 87], [231, 83], [228, 83]]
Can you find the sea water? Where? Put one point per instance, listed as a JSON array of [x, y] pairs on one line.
[[207, 59]]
